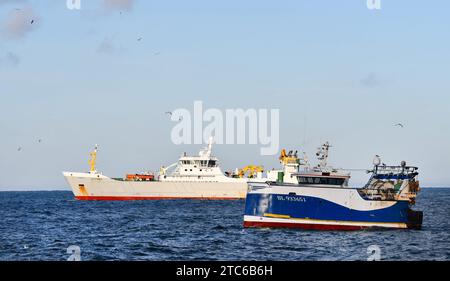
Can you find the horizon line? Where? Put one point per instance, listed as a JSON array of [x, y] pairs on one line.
[[69, 190]]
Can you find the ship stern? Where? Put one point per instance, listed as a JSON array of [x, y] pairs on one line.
[[415, 219]]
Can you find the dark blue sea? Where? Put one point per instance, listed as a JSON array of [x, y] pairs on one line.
[[42, 225]]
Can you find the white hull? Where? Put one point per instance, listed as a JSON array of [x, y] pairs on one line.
[[86, 186]]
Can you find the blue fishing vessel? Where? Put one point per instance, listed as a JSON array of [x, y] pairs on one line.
[[300, 196]]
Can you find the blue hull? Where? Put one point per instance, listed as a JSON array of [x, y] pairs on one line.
[[323, 213]]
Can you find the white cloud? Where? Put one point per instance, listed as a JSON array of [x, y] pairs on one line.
[[19, 22]]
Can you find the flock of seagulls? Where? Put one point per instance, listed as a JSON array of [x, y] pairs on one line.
[[139, 39], [169, 113], [20, 148]]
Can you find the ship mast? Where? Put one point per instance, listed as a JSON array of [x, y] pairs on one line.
[[92, 162], [206, 152]]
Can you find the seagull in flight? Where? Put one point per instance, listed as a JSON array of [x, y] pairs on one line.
[[169, 113], [139, 39], [32, 21], [19, 148], [399, 125]]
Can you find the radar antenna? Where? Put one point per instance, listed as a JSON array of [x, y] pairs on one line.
[[322, 154]]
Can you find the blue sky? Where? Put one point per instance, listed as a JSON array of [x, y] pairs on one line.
[[76, 78]]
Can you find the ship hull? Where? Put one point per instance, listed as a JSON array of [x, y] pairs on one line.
[[308, 224], [98, 187], [325, 209], [132, 198]]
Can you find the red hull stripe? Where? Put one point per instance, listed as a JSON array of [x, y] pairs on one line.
[[303, 226], [128, 198]]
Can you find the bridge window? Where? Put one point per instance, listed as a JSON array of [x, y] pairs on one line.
[[320, 180]]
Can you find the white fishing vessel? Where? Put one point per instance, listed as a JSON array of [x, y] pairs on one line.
[[191, 177]]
